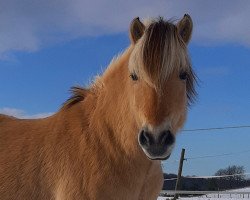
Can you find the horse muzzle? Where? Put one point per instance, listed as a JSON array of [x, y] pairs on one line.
[[156, 146]]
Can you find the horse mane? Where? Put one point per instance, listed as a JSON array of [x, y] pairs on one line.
[[78, 94], [163, 51]]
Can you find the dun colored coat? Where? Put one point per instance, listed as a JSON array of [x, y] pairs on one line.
[[107, 141]]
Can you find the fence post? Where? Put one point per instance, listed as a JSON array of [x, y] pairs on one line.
[[178, 182]]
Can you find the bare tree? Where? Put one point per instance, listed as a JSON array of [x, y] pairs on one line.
[[238, 171], [233, 181]]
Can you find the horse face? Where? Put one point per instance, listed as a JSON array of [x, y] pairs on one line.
[[159, 114], [159, 107]]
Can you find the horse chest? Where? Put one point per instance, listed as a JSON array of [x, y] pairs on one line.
[[130, 185]]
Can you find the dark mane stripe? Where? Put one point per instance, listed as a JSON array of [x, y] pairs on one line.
[[163, 52], [154, 47]]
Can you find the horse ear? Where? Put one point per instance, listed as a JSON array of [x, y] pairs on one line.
[[136, 30], [185, 27]]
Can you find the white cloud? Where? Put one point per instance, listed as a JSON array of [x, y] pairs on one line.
[[29, 25], [22, 114]]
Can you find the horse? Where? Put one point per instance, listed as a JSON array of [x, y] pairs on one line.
[[107, 140]]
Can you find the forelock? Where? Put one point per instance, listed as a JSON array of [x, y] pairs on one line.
[[162, 51], [159, 53]]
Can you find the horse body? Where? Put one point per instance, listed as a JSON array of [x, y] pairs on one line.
[[67, 156], [89, 149]]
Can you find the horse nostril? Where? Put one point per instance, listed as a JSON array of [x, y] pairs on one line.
[[166, 137], [144, 138]]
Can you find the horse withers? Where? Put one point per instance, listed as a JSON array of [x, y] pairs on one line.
[[107, 141]]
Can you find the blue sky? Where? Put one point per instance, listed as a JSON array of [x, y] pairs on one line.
[[46, 47]]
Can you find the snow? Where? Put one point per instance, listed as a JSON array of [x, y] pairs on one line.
[[215, 196]]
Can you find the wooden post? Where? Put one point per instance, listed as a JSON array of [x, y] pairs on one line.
[[178, 181]]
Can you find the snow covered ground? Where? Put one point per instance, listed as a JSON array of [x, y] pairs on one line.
[[216, 197]]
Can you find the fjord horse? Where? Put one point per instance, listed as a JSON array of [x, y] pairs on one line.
[[107, 141]]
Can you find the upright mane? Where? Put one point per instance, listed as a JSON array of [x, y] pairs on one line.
[[78, 94]]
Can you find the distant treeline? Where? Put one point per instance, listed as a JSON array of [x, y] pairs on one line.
[[211, 184], [202, 184]]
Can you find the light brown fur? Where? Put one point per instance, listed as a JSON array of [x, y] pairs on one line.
[[89, 149]]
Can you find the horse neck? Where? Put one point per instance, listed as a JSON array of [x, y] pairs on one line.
[[113, 116]]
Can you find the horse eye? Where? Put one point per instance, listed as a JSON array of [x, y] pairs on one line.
[[134, 77], [183, 75]]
